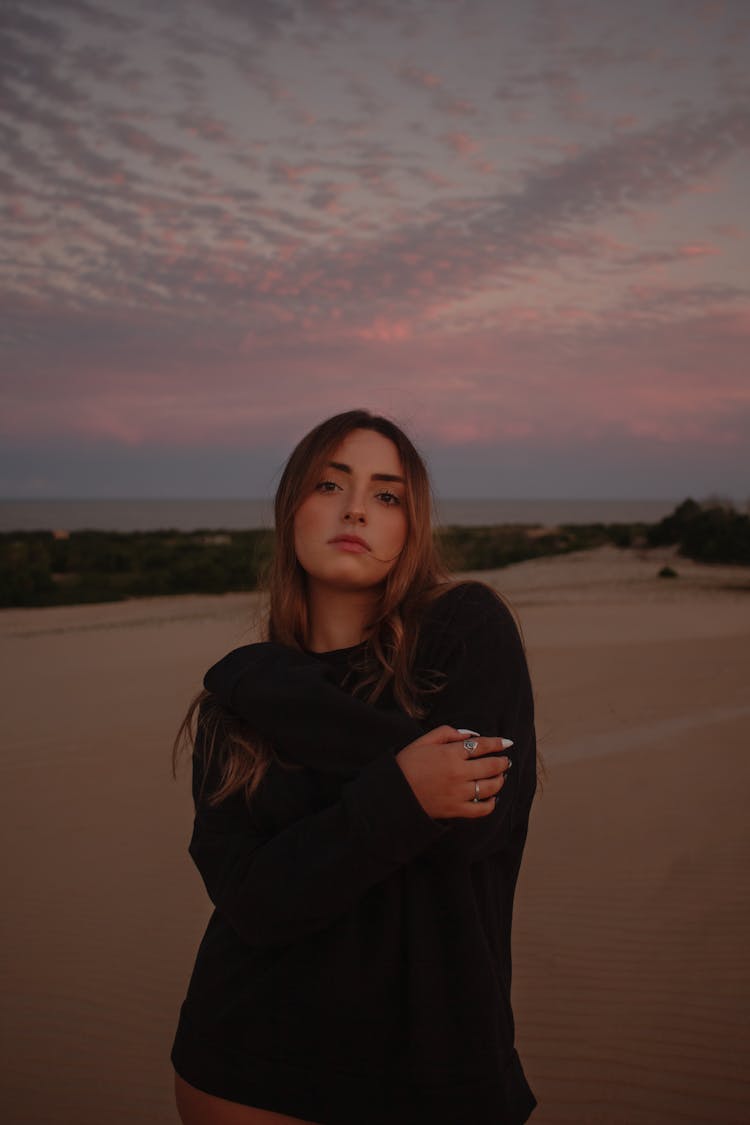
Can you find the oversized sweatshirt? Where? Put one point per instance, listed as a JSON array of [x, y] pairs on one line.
[[356, 967]]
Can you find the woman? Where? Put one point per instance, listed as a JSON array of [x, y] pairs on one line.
[[357, 824]]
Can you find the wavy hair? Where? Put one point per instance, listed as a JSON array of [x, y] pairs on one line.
[[417, 578]]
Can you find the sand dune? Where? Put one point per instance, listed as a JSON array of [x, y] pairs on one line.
[[631, 933]]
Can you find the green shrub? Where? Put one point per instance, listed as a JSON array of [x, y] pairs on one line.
[[712, 532]]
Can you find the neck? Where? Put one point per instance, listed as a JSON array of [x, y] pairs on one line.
[[338, 618]]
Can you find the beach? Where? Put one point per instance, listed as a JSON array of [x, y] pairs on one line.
[[631, 930]]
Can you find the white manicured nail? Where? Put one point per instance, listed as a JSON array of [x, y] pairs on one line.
[[464, 730], [506, 743]]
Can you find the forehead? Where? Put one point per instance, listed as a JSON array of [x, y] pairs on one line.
[[368, 450]]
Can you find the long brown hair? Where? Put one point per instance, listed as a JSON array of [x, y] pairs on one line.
[[418, 576]]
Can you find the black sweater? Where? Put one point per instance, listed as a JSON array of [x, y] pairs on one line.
[[356, 968]]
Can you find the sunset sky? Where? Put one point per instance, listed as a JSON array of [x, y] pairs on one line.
[[517, 227]]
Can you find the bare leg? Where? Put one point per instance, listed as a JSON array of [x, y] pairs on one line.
[[195, 1107]]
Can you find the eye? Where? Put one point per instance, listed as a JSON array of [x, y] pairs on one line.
[[390, 499]]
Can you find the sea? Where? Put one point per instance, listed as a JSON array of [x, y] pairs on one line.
[[242, 515]]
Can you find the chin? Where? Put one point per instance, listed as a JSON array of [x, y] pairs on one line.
[[347, 577]]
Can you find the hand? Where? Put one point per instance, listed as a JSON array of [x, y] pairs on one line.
[[442, 772]]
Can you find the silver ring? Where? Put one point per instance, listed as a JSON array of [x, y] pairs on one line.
[[475, 798], [470, 744]]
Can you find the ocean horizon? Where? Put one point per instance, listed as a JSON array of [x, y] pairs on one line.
[[187, 515]]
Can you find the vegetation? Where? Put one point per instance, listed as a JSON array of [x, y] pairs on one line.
[[56, 568], [711, 532], [41, 568], [486, 548]]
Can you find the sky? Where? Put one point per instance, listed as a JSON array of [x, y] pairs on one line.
[[518, 228]]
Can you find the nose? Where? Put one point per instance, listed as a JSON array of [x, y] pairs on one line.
[[354, 502], [355, 509]]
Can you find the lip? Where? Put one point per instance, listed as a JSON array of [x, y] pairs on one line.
[[350, 542]]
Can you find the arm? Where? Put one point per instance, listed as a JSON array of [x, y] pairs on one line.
[[290, 698], [275, 890], [488, 690]]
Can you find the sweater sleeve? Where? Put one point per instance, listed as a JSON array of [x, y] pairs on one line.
[[276, 889], [292, 699], [488, 690]]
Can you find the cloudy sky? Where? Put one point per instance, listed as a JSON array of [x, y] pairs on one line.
[[518, 227]]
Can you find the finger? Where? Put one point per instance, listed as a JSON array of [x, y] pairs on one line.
[[482, 748], [485, 788], [463, 734], [447, 733], [479, 808], [486, 768], [477, 747]]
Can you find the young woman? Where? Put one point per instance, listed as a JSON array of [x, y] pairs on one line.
[[358, 825]]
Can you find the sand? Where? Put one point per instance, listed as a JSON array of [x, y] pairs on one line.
[[631, 937]]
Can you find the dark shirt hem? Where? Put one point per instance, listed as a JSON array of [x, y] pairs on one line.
[[318, 1094]]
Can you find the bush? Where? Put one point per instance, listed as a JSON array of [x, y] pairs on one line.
[[36, 568], [712, 532]]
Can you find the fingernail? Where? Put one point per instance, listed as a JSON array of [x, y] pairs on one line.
[[464, 730], [506, 743]]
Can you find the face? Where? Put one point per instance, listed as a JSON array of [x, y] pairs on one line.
[[352, 498]]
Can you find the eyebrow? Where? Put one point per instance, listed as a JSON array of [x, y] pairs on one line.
[[375, 476]]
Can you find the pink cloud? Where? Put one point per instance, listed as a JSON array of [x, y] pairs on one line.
[[208, 128], [698, 250], [431, 177], [292, 174], [369, 253], [626, 121], [485, 167], [18, 212], [141, 142], [454, 107], [728, 230], [528, 376], [460, 143], [424, 79], [385, 331]]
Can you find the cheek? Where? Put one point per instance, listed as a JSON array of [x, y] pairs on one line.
[[300, 521], [302, 525], [398, 530], [307, 516]]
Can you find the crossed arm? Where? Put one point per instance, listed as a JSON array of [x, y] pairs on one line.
[[276, 890]]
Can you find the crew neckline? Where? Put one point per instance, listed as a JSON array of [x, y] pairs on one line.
[[337, 653]]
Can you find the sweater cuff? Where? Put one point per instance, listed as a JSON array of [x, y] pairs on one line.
[[393, 824]]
